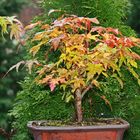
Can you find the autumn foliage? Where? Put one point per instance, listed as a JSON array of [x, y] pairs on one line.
[[87, 53], [16, 27]]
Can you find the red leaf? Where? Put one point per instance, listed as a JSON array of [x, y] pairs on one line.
[[55, 41], [115, 31], [53, 83], [52, 86], [110, 43], [60, 23], [98, 29], [88, 24], [94, 20]]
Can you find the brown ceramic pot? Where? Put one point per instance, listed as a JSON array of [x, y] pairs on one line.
[[107, 132]]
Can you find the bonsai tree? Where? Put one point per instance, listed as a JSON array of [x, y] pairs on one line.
[[86, 53]]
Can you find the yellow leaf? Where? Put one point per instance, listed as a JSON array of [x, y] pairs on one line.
[[69, 97], [59, 62], [68, 50], [35, 49], [133, 63], [76, 85], [38, 36], [63, 86], [68, 65], [92, 37], [119, 80], [55, 33], [3, 25], [121, 60], [63, 56], [105, 74], [96, 83], [133, 73], [114, 66], [106, 55], [16, 31], [95, 68], [89, 76], [139, 81]]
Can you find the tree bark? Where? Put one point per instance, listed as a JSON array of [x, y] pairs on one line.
[[78, 105]]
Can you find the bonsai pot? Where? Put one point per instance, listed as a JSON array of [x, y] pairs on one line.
[[99, 132]]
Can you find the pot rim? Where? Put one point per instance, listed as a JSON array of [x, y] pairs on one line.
[[124, 126]]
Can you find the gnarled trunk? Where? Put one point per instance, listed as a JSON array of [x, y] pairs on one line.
[[78, 105]]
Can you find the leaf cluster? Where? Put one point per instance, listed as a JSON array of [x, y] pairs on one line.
[[87, 53], [110, 13], [16, 27]]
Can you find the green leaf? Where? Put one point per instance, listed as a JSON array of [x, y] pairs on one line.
[[133, 73], [121, 61], [63, 87], [119, 80], [69, 97], [35, 49]]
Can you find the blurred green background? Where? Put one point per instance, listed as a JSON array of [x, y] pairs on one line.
[[8, 56], [38, 105], [10, 53]]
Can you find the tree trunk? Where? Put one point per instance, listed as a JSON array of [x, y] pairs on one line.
[[78, 105]]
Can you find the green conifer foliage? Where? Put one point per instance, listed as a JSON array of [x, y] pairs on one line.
[[134, 16], [8, 57], [108, 12]]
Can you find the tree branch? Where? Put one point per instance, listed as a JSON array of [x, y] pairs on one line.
[[86, 90]]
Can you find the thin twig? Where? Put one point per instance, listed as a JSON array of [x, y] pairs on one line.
[[86, 90]]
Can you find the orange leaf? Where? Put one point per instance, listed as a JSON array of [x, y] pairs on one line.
[[45, 80], [107, 101], [31, 26], [35, 49], [55, 41]]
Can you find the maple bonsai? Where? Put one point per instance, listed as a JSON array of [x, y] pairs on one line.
[[86, 54]]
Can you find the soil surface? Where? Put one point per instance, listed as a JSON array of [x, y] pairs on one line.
[[90, 122]]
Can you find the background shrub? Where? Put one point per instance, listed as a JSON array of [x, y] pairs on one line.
[[8, 57]]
